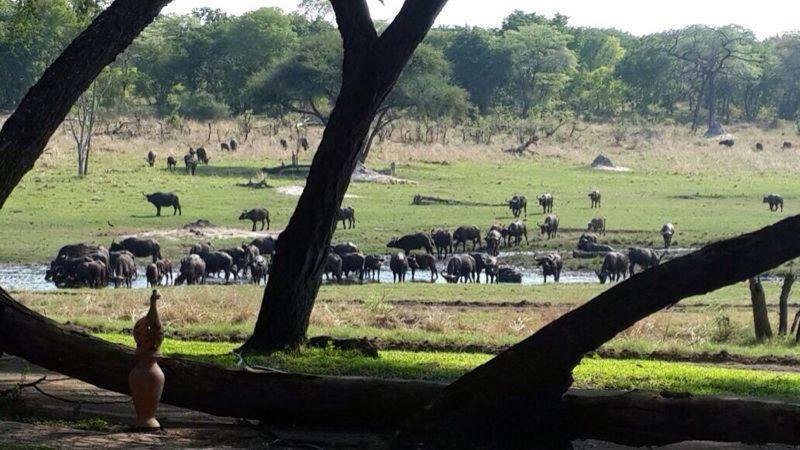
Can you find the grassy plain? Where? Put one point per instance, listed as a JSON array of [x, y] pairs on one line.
[[707, 191], [594, 373]]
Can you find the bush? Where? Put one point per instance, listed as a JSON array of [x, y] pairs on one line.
[[202, 106], [723, 329]]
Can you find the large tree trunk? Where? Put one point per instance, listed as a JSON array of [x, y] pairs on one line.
[[760, 314], [371, 67], [25, 134], [783, 304], [303, 400], [521, 388]]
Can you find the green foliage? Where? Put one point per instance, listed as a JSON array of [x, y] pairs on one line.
[[201, 106], [723, 329]]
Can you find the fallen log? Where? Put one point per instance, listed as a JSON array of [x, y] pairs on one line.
[[426, 200], [292, 168], [262, 184], [305, 400]]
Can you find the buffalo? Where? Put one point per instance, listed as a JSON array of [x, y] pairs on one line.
[[759, 146], [218, 262], [507, 274], [460, 268], [201, 247], [518, 204], [399, 265], [550, 226], [411, 242], [172, 163], [141, 248], [353, 262], [151, 158], [256, 215], [786, 145], [467, 233], [165, 269], [234, 144], [345, 248], [516, 231], [164, 200], [124, 268], [266, 245], [546, 202], [667, 231], [190, 161], [333, 266], [92, 274], [259, 270], [202, 156], [373, 265], [443, 241], [152, 274], [595, 197], [615, 266], [348, 217], [423, 261], [597, 225], [192, 271], [493, 239], [551, 264], [643, 257], [588, 243], [775, 201]]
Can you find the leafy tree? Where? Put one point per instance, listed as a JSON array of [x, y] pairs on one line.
[[32, 33], [705, 53], [480, 65], [541, 64]]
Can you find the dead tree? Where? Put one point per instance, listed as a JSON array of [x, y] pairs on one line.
[[760, 314], [783, 303], [370, 69]]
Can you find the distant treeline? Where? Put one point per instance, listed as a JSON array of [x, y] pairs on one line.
[[206, 65]]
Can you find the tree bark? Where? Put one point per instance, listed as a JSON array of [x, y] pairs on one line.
[[783, 304], [370, 69], [303, 400], [761, 324], [521, 388], [25, 134]]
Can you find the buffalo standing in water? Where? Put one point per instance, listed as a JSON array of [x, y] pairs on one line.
[[140, 248]]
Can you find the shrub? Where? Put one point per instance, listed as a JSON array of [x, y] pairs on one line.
[[202, 106]]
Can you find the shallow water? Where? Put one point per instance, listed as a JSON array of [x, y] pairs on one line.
[[30, 277]]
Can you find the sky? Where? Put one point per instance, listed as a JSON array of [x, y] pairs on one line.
[[765, 17]]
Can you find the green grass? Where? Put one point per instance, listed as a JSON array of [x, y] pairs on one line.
[[595, 373], [52, 207]]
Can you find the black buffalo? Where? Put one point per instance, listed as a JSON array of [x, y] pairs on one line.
[[256, 215], [141, 248], [411, 242], [164, 200]]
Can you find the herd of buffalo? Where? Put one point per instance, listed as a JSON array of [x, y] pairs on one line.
[[95, 266]]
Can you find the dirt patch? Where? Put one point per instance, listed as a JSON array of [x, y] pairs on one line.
[[207, 233], [297, 191]]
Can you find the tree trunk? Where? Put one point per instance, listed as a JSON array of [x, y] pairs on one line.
[[760, 314], [521, 388], [371, 67], [783, 305], [25, 134], [711, 104], [303, 400]]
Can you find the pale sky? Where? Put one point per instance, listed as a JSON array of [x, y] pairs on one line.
[[765, 17]]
